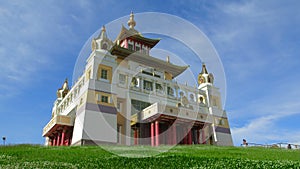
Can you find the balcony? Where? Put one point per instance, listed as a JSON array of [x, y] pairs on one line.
[[56, 121], [157, 110], [145, 84]]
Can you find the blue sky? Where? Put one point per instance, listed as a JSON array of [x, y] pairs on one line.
[[257, 42]]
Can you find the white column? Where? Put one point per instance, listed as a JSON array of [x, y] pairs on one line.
[[141, 84], [127, 121]]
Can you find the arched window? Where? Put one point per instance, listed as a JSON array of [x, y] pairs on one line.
[[135, 82], [104, 46]]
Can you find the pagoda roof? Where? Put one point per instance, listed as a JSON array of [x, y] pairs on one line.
[[147, 60], [134, 34]]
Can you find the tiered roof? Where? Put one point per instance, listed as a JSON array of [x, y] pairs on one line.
[[140, 57]]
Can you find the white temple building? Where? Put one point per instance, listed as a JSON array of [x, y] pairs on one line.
[[127, 97]]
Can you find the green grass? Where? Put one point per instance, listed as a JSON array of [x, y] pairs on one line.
[[200, 156]]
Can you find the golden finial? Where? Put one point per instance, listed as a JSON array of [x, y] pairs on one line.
[[131, 23], [103, 33], [103, 29]]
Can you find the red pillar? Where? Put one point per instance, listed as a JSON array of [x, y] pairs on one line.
[[174, 134], [63, 137], [135, 137], [152, 135], [126, 43], [190, 137], [198, 136], [157, 133], [54, 141], [67, 141], [58, 139]]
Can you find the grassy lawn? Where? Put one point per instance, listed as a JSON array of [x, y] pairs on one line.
[[200, 156]]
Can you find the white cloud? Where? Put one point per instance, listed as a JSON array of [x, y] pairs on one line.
[[264, 130], [265, 119]]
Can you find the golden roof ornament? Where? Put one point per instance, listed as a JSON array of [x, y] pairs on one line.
[[131, 23], [103, 29], [204, 70], [103, 33], [63, 91]]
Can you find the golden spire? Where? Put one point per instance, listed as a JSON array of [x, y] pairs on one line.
[[204, 70], [103, 33], [103, 29], [131, 23]]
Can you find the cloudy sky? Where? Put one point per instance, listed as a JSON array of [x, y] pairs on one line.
[[257, 42]]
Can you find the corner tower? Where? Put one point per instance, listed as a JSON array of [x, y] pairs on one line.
[[102, 41], [221, 134]]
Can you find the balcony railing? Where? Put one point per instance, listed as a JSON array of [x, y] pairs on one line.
[[58, 120], [180, 112]]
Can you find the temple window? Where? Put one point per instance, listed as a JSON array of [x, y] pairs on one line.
[[103, 74], [221, 122], [104, 99], [138, 106], [104, 46], [181, 94], [158, 87], [192, 98], [135, 82], [148, 85], [170, 91], [201, 100]]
